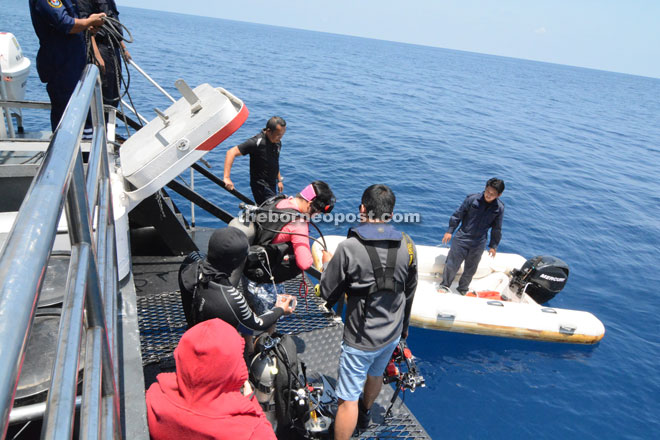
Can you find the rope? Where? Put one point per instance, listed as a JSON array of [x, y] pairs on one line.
[[303, 290], [114, 32]]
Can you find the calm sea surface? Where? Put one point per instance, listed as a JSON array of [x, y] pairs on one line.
[[579, 151]]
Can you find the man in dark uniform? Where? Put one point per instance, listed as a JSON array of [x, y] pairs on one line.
[[477, 214], [106, 48], [376, 267], [61, 56], [264, 150]]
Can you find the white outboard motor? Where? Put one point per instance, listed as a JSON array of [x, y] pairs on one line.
[[540, 277], [14, 70]]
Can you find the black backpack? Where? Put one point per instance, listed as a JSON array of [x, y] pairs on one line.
[[265, 259], [281, 348]]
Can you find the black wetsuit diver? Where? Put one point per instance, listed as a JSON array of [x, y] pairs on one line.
[[208, 289], [206, 293]]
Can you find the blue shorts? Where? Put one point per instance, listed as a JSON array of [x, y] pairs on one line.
[[355, 364]]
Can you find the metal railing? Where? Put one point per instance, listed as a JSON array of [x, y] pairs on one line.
[[89, 308]]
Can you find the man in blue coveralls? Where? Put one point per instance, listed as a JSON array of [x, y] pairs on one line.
[[477, 214], [61, 57]]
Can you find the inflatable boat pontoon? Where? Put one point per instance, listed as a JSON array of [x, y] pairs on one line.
[[505, 298]]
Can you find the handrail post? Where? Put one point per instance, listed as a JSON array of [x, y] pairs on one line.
[[98, 155], [24, 257], [58, 421], [192, 205], [151, 80], [59, 417], [135, 112], [91, 282], [90, 420]]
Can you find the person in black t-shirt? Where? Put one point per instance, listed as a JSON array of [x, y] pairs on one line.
[[264, 150]]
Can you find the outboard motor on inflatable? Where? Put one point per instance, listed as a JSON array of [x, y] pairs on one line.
[[540, 277]]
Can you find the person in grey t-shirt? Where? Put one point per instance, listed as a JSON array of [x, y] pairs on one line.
[[376, 267]]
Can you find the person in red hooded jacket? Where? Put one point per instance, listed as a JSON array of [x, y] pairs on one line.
[[203, 399]]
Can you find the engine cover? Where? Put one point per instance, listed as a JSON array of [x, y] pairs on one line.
[[541, 277]]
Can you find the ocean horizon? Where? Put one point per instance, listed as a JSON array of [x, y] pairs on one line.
[[392, 41]]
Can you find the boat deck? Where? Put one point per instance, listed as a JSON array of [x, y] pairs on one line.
[[317, 335]]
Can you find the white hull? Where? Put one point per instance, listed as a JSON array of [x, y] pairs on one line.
[[515, 317]]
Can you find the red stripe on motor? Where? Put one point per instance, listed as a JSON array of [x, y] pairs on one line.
[[225, 131]]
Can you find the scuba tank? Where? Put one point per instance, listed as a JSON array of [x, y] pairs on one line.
[[263, 371], [243, 223], [294, 404]]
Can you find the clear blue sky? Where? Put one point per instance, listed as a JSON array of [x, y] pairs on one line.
[[615, 35]]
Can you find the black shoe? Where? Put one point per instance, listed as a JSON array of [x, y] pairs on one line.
[[364, 416], [443, 289], [462, 292]]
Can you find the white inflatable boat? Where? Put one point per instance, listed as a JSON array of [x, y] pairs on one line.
[[501, 298]]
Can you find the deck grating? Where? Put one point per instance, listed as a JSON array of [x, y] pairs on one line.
[[316, 332]]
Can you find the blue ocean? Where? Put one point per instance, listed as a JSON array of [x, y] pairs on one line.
[[578, 150]]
